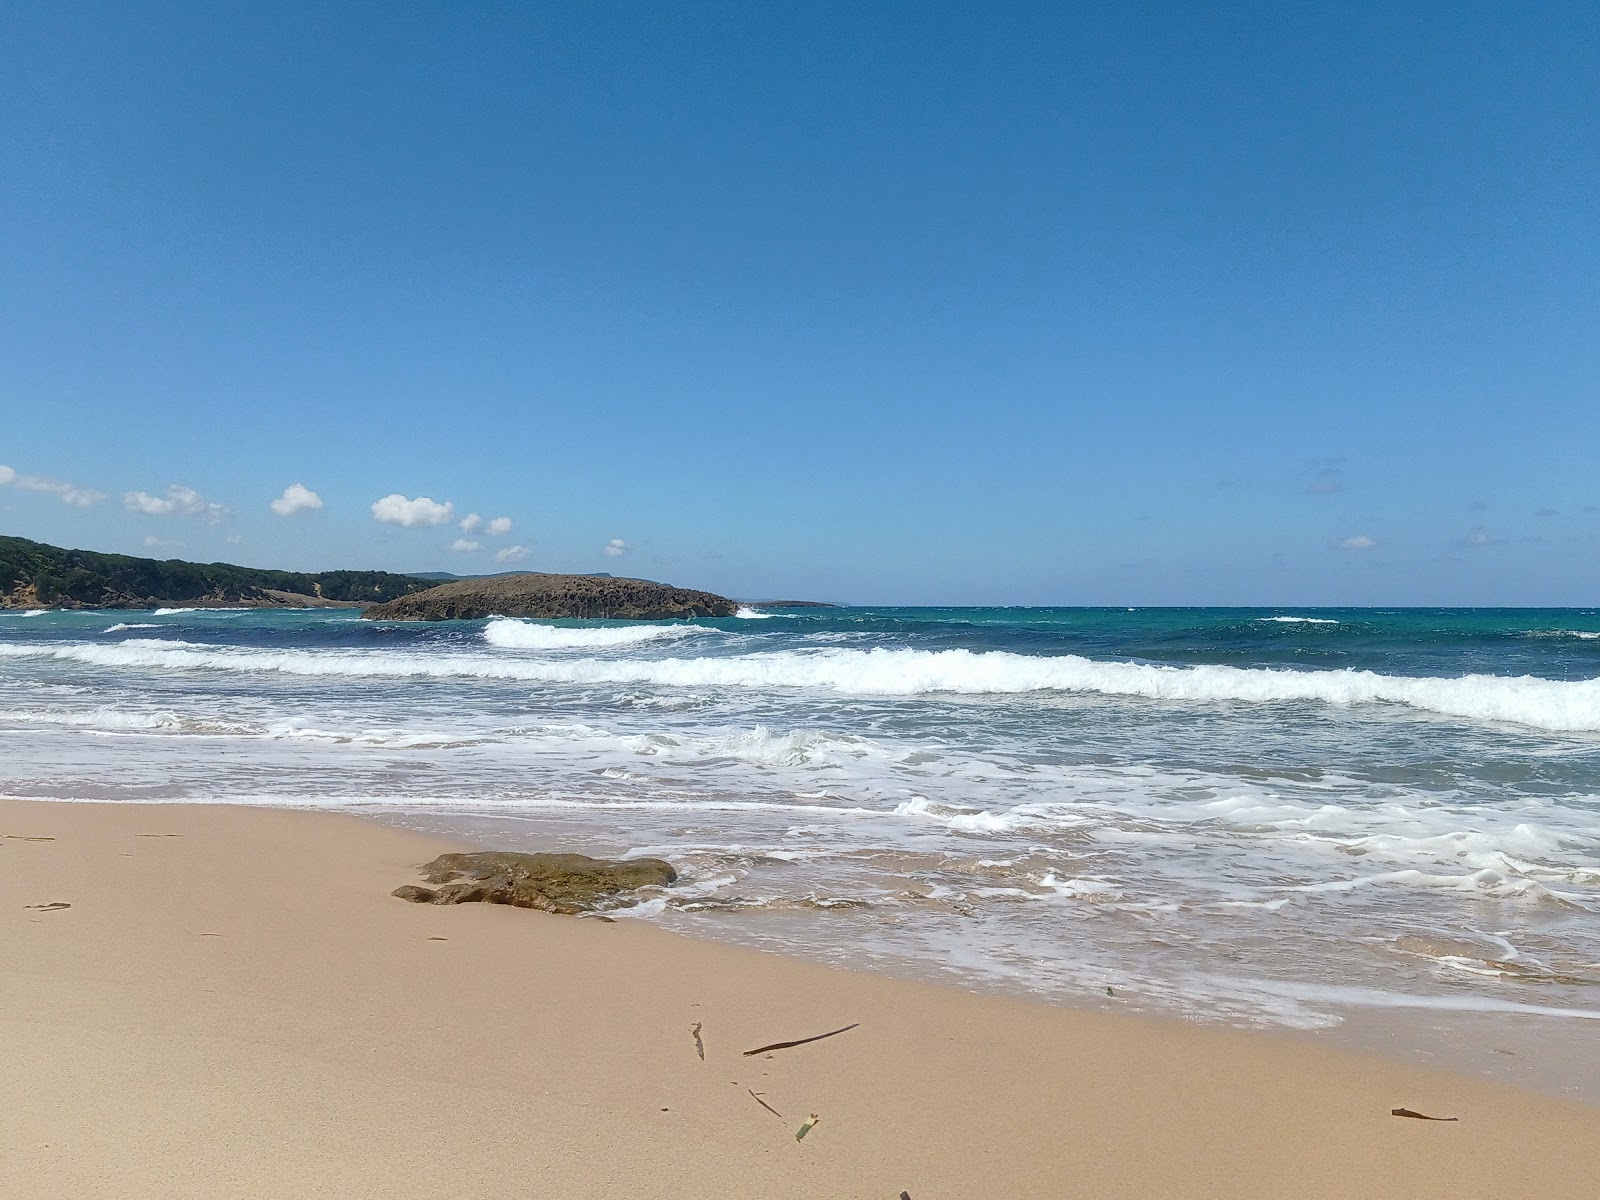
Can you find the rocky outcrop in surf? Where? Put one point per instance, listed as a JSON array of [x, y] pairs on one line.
[[553, 596], [557, 883]]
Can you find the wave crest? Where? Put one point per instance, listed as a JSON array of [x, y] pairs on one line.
[[1557, 705], [511, 634]]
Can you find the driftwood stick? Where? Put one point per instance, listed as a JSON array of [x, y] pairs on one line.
[[801, 1041], [756, 1096]]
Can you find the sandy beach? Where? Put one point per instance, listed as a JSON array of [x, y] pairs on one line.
[[233, 1006]]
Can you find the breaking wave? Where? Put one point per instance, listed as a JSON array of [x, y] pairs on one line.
[[521, 635], [1299, 620], [1558, 705]]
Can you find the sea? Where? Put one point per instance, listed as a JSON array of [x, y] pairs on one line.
[[1256, 817]]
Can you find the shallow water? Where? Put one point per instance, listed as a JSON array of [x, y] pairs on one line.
[[1262, 817]]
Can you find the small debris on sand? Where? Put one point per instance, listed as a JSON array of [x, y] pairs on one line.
[[801, 1041]]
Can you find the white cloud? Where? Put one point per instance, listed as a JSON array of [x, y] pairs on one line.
[[153, 541], [511, 554], [296, 498], [471, 523], [1359, 542], [68, 493], [500, 526], [233, 539], [395, 509], [178, 501], [1478, 536], [616, 548], [463, 546]]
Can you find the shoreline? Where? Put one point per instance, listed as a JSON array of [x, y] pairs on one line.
[[234, 1006], [1553, 1051]]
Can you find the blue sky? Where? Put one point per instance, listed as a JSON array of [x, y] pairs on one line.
[[922, 303]]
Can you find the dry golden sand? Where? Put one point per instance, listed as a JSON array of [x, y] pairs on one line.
[[241, 1010]]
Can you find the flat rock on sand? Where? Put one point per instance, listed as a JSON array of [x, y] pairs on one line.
[[558, 883]]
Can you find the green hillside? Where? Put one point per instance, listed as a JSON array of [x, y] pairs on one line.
[[34, 574]]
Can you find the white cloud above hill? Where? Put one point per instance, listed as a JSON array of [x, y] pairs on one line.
[[421, 513], [176, 501], [73, 494], [296, 498]]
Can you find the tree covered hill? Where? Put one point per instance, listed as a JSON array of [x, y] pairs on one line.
[[35, 575]]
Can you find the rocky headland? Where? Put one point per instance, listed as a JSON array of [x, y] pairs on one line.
[[553, 596]]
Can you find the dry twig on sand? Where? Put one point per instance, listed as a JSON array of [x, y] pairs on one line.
[[1407, 1112], [757, 1097], [699, 1046], [801, 1041]]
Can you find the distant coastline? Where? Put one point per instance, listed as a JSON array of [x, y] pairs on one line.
[[35, 575]]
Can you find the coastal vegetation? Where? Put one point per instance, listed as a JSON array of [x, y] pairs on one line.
[[36, 575]]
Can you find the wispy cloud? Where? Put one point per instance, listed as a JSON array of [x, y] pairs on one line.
[[152, 542], [296, 498], [1478, 537], [1359, 541], [616, 548], [463, 546], [176, 501], [511, 554], [73, 494], [471, 523], [499, 527], [1327, 476], [420, 513]]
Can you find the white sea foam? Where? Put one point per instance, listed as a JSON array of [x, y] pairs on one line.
[[510, 634], [749, 614], [120, 626], [1300, 620], [114, 720], [1377, 998], [760, 745], [172, 612], [32, 612], [1560, 705]]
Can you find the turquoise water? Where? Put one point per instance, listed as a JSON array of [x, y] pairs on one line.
[[1255, 816]]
